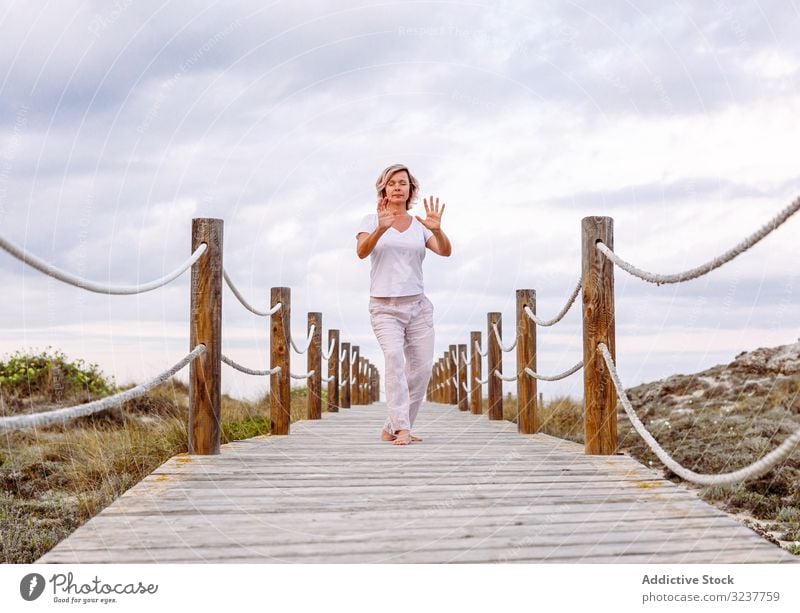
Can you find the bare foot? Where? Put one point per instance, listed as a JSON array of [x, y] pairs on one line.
[[403, 438], [415, 439], [385, 436]]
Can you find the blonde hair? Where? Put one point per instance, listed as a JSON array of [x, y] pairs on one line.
[[383, 179]]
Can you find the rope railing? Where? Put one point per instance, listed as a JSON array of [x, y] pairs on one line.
[[92, 286], [500, 341], [249, 371], [326, 355], [244, 302], [48, 418], [598, 318], [756, 469], [307, 341], [550, 322], [500, 375], [557, 377], [699, 271], [207, 279]]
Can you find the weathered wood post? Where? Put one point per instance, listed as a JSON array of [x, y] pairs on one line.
[[355, 397], [205, 327], [346, 376], [440, 379], [332, 405], [526, 358], [600, 400], [362, 380], [476, 397], [280, 353], [495, 364], [452, 356], [447, 373], [462, 377], [315, 364]]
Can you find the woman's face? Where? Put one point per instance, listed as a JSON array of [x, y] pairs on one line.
[[398, 188]]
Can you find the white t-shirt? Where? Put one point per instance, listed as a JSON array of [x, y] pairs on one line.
[[396, 259]]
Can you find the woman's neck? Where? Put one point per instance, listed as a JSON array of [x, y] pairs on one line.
[[398, 210]]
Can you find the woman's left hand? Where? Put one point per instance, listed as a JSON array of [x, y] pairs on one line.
[[433, 221]]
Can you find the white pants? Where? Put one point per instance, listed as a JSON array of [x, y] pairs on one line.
[[403, 326]]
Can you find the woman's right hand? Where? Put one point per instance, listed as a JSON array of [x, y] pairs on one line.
[[385, 216]]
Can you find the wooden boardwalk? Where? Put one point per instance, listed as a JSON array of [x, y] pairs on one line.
[[474, 491]]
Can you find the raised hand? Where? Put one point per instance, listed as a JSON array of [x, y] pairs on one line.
[[385, 216], [433, 220]]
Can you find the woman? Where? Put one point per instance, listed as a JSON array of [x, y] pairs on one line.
[[400, 313]]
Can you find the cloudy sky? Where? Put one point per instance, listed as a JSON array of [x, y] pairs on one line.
[[121, 121]]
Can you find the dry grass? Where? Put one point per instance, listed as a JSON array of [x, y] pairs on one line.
[[54, 479]]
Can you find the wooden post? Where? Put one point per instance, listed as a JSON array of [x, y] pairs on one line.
[[462, 378], [205, 327], [355, 397], [439, 381], [315, 363], [476, 398], [446, 379], [495, 364], [346, 376], [332, 405], [526, 358], [600, 400], [453, 357], [280, 392]]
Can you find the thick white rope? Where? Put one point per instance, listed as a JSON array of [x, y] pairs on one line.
[[482, 381], [726, 257], [66, 277], [471, 389], [560, 316], [47, 418], [308, 340], [504, 378], [328, 379], [453, 358], [342, 355], [249, 371], [326, 355], [303, 376], [563, 375], [466, 361], [500, 341], [756, 469], [244, 302], [478, 349]]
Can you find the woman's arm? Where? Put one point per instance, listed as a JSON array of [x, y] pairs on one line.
[[439, 243], [367, 242]]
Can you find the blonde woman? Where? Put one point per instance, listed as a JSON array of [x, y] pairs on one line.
[[400, 313]]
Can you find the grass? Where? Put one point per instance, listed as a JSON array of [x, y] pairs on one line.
[[54, 479], [708, 441]]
